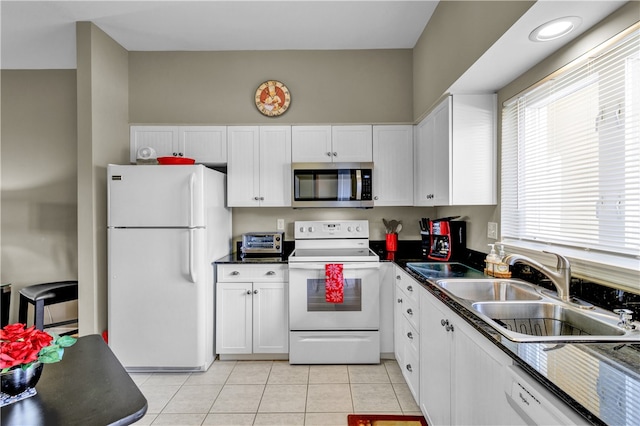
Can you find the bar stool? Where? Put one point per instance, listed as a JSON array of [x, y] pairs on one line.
[[41, 295]]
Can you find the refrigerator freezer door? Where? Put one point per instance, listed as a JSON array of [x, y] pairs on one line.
[[156, 196], [158, 318]]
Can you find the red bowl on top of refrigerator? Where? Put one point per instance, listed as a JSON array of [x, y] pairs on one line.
[[175, 160]]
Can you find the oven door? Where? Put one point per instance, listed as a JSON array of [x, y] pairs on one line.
[[308, 309]]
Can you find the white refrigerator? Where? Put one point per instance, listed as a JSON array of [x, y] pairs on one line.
[[166, 225]]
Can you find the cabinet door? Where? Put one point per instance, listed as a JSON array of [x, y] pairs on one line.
[[478, 376], [435, 358], [393, 165], [270, 318], [474, 157], [311, 144], [423, 162], [243, 169], [207, 144], [351, 143], [275, 166], [442, 154], [163, 139], [233, 318]]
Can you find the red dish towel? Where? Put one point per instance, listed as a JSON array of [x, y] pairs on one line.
[[334, 283]]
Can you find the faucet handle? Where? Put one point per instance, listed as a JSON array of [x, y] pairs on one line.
[[563, 262], [626, 316]]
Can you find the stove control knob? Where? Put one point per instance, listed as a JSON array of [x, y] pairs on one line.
[[311, 229], [302, 229], [349, 229], [358, 229]]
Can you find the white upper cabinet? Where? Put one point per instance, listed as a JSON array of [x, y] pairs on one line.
[[351, 143], [455, 153], [326, 144], [259, 166], [393, 165], [205, 144]]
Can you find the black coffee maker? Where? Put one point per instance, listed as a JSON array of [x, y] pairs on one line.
[[444, 239]]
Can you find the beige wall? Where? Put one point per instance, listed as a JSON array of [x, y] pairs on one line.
[[360, 86], [103, 133], [458, 33], [39, 201]]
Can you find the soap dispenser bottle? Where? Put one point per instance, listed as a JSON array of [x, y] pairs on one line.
[[501, 269], [491, 261]]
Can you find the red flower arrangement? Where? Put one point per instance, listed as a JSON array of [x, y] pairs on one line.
[[20, 347]]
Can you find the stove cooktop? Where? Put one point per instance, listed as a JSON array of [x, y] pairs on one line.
[[432, 270], [329, 255]]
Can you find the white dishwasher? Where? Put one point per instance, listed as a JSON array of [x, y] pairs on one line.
[[534, 403]]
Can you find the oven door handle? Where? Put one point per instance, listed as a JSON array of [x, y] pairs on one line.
[[345, 266]]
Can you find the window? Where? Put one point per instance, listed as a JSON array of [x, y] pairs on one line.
[[571, 164]]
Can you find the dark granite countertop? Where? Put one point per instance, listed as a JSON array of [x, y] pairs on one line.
[[601, 381]]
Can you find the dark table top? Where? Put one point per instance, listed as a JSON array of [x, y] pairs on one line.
[[88, 387]]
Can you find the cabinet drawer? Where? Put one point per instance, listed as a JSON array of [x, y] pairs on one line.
[[410, 337], [408, 286], [253, 273], [411, 372], [411, 311]]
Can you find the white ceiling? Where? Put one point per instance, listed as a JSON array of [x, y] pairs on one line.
[[41, 34]]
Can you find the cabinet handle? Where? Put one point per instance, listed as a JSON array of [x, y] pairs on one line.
[[444, 322], [256, 198], [175, 154], [234, 273], [410, 288], [449, 328], [248, 291], [410, 335], [375, 198], [335, 154], [409, 311], [328, 154], [270, 273], [261, 198], [398, 277], [255, 291], [408, 367], [399, 300]]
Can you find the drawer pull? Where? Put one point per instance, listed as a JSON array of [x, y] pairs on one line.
[[409, 368], [234, 273], [444, 322], [449, 328], [248, 291], [255, 291], [271, 273], [410, 335], [410, 311], [399, 300], [409, 288], [398, 277]]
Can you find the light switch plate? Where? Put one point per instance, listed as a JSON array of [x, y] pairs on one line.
[[280, 225], [492, 230]]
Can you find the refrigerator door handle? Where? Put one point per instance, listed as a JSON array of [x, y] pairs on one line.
[[192, 269], [192, 185]]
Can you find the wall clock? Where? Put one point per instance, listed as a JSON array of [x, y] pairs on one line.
[[273, 98]]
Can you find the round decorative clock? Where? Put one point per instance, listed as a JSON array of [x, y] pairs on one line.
[[273, 98]]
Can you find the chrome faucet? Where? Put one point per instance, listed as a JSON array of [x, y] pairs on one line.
[[561, 277]]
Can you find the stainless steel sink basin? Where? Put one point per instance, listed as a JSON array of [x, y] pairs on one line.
[[489, 289], [551, 321]]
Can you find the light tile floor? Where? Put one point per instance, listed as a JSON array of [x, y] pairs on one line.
[[274, 393]]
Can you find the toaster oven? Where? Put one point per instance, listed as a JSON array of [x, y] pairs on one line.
[[262, 243]]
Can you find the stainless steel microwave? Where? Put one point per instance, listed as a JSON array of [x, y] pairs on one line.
[[332, 185]]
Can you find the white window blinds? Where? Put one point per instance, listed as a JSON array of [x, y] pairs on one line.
[[571, 159]]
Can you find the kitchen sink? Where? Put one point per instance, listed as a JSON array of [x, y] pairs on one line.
[[489, 289]]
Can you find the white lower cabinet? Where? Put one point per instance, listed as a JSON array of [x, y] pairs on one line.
[[406, 330], [252, 309], [462, 375]]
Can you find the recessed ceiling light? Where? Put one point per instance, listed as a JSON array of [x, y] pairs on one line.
[[555, 29]]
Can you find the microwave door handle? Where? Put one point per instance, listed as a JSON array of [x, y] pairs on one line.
[[358, 184]]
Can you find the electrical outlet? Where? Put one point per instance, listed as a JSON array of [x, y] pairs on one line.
[[492, 230], [280, 225]]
